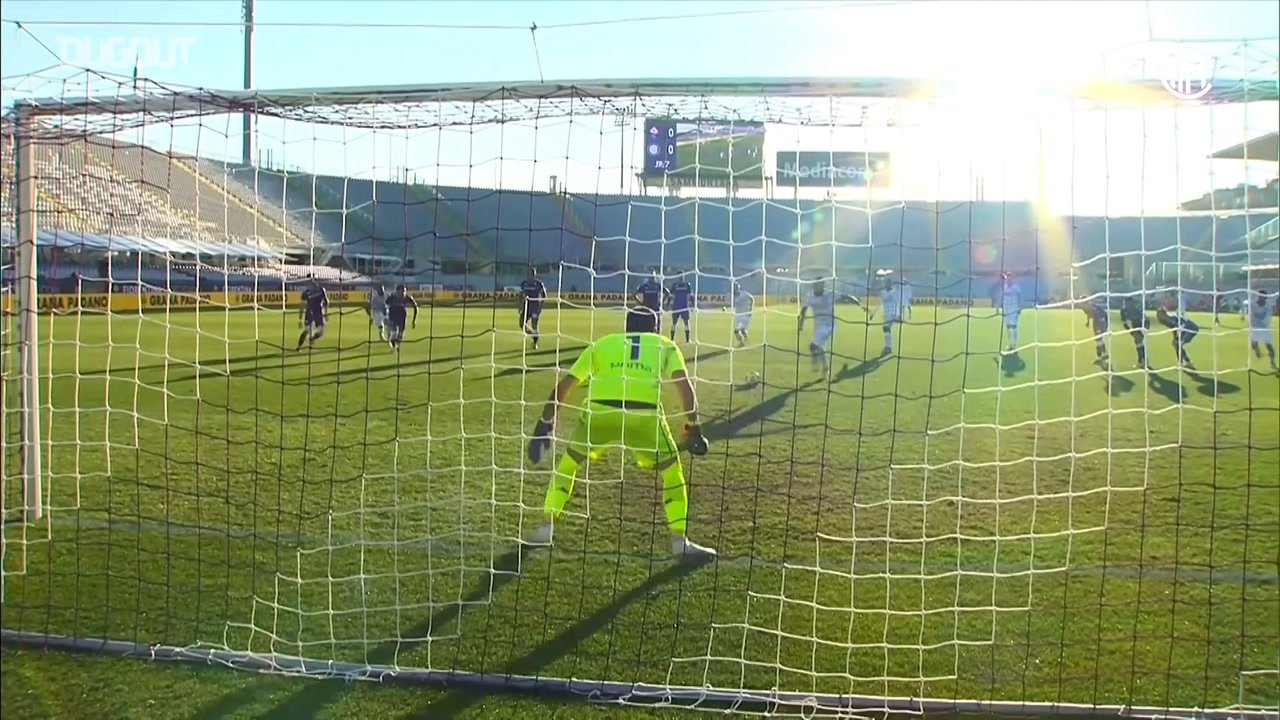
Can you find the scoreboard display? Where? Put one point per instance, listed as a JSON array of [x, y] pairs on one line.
[[704, 152]]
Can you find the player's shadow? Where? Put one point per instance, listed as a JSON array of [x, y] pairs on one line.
[[1118, 385], [755, 415], [1171, 390], [563, 362], [315, 696], [1211, 386], [211, 364], [352, 366], [456, 703], [863, 367], [1011, 363], [710, 355]]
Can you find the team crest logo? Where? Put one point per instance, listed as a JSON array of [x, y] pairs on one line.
[[1189, 73]]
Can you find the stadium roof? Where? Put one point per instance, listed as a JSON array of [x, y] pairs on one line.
[[127, 243], [1264, 147], [1263, 235]]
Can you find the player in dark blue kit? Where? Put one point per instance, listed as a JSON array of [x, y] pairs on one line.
[[315, 311], [1097, 317], [1184, 331], [651, 294], [398, 313], [1135, 320], [535, 293], [681, 304]]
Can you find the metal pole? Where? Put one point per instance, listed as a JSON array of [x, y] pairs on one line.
[[29, 325], [622, 120], [246, 149]]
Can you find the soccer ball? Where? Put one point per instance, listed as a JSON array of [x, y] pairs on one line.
[[753, 377]]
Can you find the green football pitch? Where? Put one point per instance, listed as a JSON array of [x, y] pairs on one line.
[[943, 522]]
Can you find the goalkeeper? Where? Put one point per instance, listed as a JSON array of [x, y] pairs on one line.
[[624, 374]]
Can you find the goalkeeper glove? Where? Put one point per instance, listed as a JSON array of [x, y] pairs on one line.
[[696, 441], [541, 441]]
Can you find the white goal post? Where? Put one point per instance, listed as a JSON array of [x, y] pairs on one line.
[[1054, 480]]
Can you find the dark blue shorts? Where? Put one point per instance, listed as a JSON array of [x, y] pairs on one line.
[[680, 314]]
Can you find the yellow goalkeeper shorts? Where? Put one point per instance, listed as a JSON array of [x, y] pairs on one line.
[[644, 433]]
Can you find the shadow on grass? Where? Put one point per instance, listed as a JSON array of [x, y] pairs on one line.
[[1119, 385], [355, 365], [1211, 386], [709, 355], [1171, 390], [736, 423], [1011, 363], [455, 703], [314, 697], [563, 362]]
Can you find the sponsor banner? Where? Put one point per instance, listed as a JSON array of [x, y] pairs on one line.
[[149, 302], [152, 302], [811, 168]]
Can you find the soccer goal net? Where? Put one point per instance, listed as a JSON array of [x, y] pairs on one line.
[[1000, 465]]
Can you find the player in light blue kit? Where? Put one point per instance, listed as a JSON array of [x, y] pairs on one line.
[[1009, 300], [823, 305], [681, 305], [378, 310], [1261, 310]]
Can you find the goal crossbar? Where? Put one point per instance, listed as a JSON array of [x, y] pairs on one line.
[[1142, 92]]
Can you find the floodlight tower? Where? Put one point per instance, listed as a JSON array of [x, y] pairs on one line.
[[246, 16]]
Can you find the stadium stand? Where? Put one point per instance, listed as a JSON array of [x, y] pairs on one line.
[[193, 223], [116, 216]]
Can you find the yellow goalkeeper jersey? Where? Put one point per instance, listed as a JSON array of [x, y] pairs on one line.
[[628, 367]]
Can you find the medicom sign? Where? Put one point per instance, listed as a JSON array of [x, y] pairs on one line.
[[832, 169]]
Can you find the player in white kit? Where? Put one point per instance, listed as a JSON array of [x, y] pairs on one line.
[[378, 311], [743, 304], [1010, 302], [823, 305], [1261, 310], [895, 298]]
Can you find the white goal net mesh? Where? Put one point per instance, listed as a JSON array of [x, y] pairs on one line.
[[953, 481]]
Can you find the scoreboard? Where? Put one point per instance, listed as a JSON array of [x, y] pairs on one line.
[[660, 146], [704, 152]]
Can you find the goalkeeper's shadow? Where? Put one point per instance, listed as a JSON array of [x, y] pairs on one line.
[[456, 703], [314, 697]]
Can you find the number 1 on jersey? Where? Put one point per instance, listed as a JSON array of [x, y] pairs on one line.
[[635, 346]]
